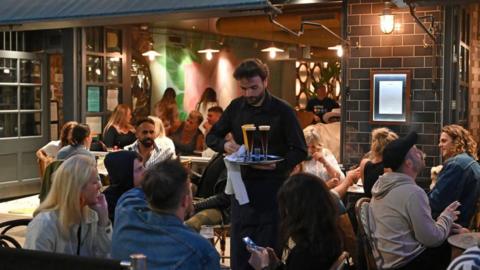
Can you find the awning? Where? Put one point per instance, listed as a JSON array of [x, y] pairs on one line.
[[77, 12]]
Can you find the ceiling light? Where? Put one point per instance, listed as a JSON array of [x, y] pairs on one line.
[[337, 48], [272, 51], [387, 19], [151, 54], [208, 53]]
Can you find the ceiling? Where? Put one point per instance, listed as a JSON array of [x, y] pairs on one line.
[[259, 27]]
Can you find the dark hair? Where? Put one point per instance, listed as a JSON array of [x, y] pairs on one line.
[[209, 95], [309, 215], [66, 133], [216, 109], [164, 184], [143, 120], [250, 68], [79, 133]]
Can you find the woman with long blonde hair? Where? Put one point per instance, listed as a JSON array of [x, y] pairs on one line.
[[119, 132], [372, 166], [73, 219]]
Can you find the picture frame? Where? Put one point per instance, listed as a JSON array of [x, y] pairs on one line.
[[390, 96]]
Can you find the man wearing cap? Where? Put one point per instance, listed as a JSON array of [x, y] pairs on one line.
[[404, 235]]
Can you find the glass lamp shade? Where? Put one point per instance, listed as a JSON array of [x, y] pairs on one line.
[[387, 23]]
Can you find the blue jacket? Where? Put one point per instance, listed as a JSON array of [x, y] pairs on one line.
[[163, 238], [458, 180]]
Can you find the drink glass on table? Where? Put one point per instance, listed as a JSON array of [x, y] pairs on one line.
[[248, 131], [264, 130]]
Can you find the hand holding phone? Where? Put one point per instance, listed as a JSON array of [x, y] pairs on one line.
[[249, 242]]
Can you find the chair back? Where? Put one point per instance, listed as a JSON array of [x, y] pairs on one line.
[[47, 179], [305, 118], [8, 241], [361, 213], [341, 263]]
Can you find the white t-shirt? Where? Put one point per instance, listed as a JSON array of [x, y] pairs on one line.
[[166, 143], [51, 148]]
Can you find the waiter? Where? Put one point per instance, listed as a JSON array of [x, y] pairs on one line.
[[258, 219]]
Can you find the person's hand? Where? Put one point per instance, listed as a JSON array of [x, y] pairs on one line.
[[259, 258], [353, 176], [333, 182], [272, 256], [101, 207], [319, 156], [451, 211], [230, 147], [457, 229]]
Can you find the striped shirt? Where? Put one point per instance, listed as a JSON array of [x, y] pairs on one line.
[[157, 155], [469, 260]]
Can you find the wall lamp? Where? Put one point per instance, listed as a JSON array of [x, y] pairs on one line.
[[387, 19]]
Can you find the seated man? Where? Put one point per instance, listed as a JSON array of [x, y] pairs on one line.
[[403, 232], [150, 221], [145, 144], [188, 137], [459, 178]]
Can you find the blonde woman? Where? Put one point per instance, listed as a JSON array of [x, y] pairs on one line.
[[321, 161], [372, 166], [118, 132], [161, 139], [73, 219]]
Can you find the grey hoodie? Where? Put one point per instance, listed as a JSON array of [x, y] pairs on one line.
[[400, 221]]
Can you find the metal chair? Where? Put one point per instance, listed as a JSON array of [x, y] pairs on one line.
[[361, 213], [7, 241]]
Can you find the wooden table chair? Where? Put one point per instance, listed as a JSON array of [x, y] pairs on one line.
[[361, 213], [8, 240]]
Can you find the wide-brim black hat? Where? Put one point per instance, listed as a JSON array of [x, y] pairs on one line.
[[395, 152]]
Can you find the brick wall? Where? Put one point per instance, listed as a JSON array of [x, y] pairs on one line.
[[474, 114], [403, 49]]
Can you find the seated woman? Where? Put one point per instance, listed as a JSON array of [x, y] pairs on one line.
[[371, 167], [321, 162], [73, 219], [80, 144], [125, 170], [188, 138], [309, 236], [49, 151], [161, 140], [118, 132]]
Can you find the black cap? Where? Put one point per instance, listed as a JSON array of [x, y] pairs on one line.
[[395, 152]]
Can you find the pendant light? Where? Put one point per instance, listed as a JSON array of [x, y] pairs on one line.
[[209, 50], [272, 49]]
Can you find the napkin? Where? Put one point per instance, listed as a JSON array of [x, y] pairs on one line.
[[235, 183]]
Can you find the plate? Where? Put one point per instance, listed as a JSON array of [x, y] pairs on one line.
[[257, 160], [464, 240]]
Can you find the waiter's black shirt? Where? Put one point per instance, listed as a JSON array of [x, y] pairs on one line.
[[285, 138]]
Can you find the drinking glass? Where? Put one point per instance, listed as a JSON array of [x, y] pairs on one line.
[[248, 131], [264, 130]]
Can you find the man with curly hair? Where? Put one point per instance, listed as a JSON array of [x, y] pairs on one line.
[[459, 180]]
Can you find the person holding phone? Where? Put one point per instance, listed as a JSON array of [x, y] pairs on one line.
[[258, 218], [310, 237]]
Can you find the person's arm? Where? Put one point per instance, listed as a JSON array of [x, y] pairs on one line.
[[352, 177], [297, 147], [447, 188], [41, 234], [103, 236], [216, 137], [41, 155], [109, 137], [330, 164], [427, 231], [199, 142]]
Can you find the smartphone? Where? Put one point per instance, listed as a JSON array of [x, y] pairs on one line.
[[249, 242]]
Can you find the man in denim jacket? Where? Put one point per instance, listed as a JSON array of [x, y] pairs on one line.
[[460, 177], [150, 221]]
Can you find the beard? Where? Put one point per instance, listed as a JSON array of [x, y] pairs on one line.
[[255, 100], [147, 142]]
